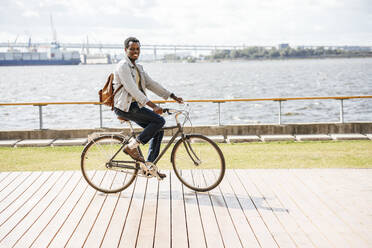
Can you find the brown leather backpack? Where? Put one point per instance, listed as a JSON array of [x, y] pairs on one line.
[[106, 94]]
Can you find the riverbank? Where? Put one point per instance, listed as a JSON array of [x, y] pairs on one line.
[[210, 130], [235, 60], [254, 53]]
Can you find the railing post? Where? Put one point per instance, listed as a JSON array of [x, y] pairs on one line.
[[100, 116], [280, 112], [40, 117], [219, 114], [341, 110]]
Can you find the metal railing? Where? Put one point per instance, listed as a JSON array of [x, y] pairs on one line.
[[40, 105]]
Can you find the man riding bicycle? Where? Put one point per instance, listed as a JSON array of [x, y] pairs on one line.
[[131, 99]]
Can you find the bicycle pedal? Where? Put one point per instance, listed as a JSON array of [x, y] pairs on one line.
[[161, 176]]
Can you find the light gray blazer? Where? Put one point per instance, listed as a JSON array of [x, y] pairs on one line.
[[125, 74]]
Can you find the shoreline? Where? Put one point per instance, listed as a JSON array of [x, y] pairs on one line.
[[258, 59], [210, 130]]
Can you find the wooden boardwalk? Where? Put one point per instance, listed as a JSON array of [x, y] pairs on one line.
[[251, 208]]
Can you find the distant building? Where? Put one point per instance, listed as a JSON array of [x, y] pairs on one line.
[[283, 46], [356, 48]]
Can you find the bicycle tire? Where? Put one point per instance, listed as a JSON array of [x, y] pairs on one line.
[[202, 177], [93, 165]]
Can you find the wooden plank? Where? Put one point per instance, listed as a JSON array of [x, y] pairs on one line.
[[253, 217], [132, 222], [274, 225], [93, 210], [244, 230], [227, 227], [3, 175], [312, 230], [22, 211], [16, 189], [71, 223], [38, 210], [50, 230], [15, 185], [345, 231], [118, 216], [179, 225], [211, 226], [345, 183], [316, 237], [30, 235], [348, 195], [162, 237], [193, 218], [104, 216], [147, 227], [8, 180], [357, 234], [312, 208], [278, 207], [9, 210]]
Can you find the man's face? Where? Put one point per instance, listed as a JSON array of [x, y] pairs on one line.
[[133, 50]]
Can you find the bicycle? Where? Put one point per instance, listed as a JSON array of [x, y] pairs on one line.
[[108, 169]]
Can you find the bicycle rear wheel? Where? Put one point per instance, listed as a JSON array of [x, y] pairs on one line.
[[195, 159], [99, 168]]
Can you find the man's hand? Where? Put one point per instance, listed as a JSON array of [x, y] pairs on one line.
[[154, 107], [158, 110], [177, 99]]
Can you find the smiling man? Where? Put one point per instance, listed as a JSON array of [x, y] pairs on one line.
[[131, 101]]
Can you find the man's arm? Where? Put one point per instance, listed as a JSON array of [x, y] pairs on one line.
[[155, 107], [158, 109], [156, 87], [160, 90]]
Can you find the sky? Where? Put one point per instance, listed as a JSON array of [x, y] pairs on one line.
[[201, 22]]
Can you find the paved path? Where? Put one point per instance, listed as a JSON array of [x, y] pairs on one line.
[[251, 208]]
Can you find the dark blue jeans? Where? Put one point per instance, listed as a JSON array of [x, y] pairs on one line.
[[151, 122]]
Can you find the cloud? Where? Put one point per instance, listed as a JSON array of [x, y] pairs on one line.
[[30, 13], [253, 22]]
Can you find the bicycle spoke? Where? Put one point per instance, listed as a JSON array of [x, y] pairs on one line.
[[97, 156], [100, 146], [199, 155]]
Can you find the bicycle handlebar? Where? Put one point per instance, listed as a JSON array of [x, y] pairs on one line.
[[170, 111], [177, 112], [173, 111]]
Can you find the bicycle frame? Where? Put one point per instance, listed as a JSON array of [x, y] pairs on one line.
[[179, 132], [163, 151], [170, 142]]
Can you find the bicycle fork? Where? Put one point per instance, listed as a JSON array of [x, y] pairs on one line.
[[190, 151]]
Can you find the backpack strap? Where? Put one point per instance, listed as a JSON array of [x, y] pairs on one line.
[[113, 95]]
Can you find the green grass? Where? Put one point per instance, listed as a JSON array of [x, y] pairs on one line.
[[330, 154]]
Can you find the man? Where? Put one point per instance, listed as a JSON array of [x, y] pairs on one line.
[[131, 99]]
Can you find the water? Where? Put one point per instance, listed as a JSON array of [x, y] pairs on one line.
[[226, 80]]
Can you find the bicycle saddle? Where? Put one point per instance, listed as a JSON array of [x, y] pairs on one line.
[[122, 119]]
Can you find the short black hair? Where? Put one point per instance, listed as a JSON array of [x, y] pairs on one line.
[[130, 39]]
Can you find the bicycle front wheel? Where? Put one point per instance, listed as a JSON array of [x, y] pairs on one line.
[[198, 162], [102, 163]]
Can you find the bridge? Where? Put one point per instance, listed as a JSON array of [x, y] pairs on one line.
[[171, 47], [120, 46]]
